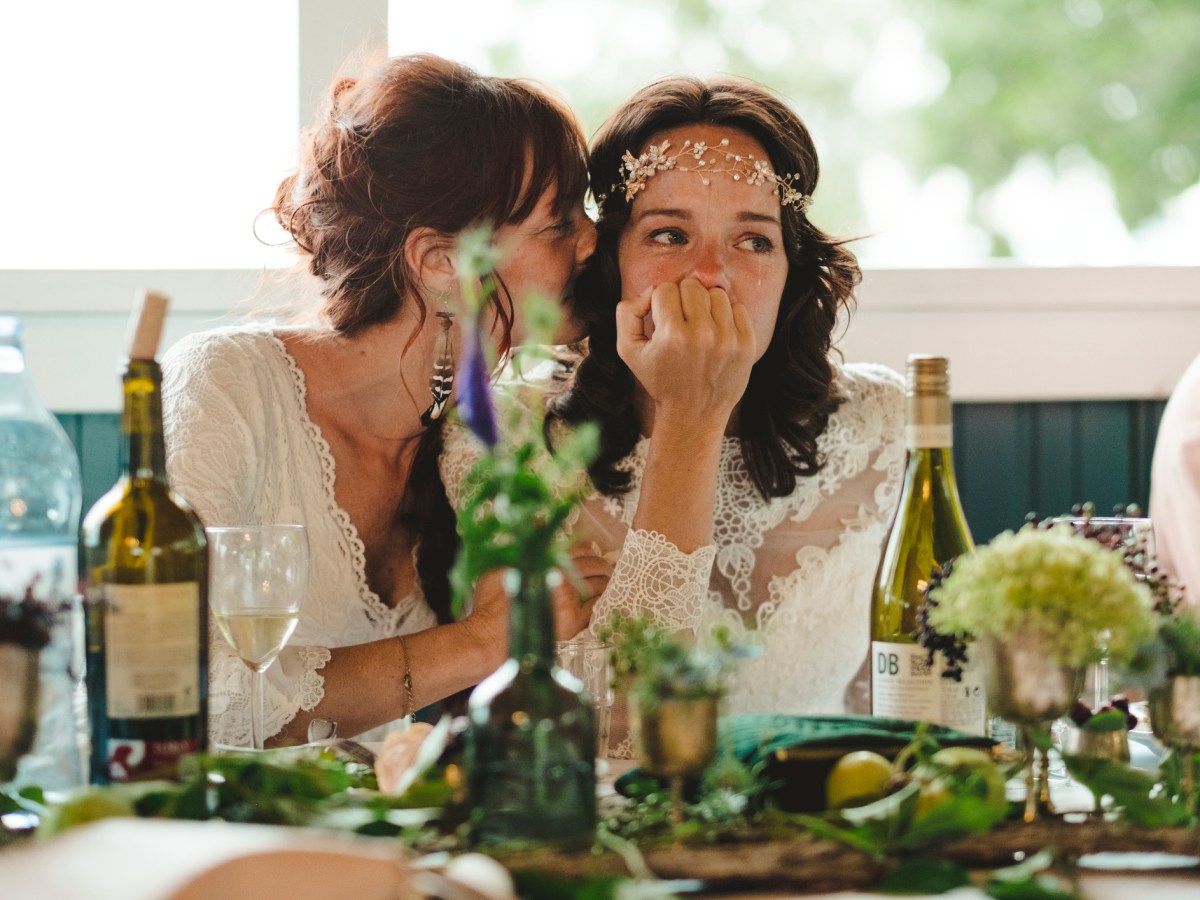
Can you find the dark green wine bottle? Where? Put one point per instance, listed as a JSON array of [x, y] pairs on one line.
[[531, 744], [146, 582], [929, 530]]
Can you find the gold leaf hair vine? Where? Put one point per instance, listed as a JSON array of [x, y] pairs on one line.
[[635, 171]]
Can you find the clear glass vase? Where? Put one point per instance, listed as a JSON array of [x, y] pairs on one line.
[[530, 748]]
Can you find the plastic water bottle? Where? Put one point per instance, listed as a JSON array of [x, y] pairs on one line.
[[40, 496]]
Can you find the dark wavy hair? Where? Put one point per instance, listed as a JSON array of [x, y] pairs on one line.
[[418, 142], [790, 395]]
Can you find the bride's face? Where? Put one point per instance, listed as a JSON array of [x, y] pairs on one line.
[[716, 228]]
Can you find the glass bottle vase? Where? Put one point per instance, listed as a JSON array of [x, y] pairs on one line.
[[530, 749]]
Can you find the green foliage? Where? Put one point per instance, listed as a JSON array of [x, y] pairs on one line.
[[1137, 795], [1180, 635], [518, 494], [661, 666], [924, 875], [1040, 877], [1115, 82], [285, 787], [516, 504]]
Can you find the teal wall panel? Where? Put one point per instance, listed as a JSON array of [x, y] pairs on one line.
[[1011, 458]]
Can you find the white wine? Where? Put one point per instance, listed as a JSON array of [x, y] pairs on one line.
[[257, 636], [146, 583], [928, 531]]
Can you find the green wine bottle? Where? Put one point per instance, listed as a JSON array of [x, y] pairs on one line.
[[145, 578], [531, 744], [929, 530]]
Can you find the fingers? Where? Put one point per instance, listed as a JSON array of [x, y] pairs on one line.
[[630, 313]]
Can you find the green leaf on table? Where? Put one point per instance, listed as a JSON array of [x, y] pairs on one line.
[[1137, 793], [29, 799], [924, 875], [1110, 720], [1032, 879], [867, 837], [534, 885], [956, 815]]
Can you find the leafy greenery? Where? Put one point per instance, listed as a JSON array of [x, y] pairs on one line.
[[1180, 635], [882, 79], [518, 495], [281, 788], [1100, 80], [660, 666], [1136, 794]]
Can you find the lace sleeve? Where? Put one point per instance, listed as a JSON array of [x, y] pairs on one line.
[[211, 395], [655, 577], [460, 451]]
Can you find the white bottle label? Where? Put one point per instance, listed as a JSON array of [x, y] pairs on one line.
[[905, 686], [152, 650]]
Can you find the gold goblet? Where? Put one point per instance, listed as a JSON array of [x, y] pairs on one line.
[[675, 738], [1024, 685], [1175, 718]]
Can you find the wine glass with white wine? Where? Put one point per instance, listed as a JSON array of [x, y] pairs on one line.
[[258, 575]]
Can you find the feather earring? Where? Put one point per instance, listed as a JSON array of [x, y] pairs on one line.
[[441, 383]]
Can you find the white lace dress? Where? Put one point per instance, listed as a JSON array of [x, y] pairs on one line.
[[242, 449], [792, 575]]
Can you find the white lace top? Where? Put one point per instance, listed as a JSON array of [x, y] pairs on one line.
[[792, 574], [242, 450]]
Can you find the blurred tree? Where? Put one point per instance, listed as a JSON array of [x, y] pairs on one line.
[[897, 91], [1118, 80]]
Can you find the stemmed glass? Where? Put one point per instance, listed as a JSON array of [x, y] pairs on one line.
[[1132, 536], [258, 575]]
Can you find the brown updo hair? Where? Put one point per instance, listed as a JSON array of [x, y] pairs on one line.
[[420, 141], [791, 392]]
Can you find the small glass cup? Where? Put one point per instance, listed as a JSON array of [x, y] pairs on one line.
[[588, 660]]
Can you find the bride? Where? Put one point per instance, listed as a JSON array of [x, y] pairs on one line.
[[745, 476]]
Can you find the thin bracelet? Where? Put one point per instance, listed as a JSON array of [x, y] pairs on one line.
[[409, 711]]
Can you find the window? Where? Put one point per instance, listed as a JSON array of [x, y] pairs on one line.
[[142, 134]]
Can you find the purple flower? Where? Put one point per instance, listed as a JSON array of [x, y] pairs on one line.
[[474, 390]]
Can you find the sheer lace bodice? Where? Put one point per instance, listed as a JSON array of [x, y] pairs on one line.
[[792, 575], [242, 449]]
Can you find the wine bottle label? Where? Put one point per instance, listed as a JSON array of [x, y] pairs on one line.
[[128, 759], [936, 436], [152, 650], [905, 685]]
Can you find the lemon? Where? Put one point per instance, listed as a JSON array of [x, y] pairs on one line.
[[858, 777], [960, 762]]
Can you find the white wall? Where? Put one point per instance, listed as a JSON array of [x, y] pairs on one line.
[[1011, 333]]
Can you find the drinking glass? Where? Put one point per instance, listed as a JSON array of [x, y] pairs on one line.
[[258, 575], [587, 659]]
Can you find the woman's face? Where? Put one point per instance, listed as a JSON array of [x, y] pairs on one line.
[[542, 254], [714, 227]]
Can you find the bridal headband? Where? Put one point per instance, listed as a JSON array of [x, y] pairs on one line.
[[635, 171]]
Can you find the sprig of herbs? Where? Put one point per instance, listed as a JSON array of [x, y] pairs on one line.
[[518, 495]]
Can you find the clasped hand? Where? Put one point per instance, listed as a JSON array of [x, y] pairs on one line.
[[690, 347]]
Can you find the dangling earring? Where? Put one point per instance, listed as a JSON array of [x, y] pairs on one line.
[[441, 383]]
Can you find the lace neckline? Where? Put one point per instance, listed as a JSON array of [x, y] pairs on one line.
[[358, 552]]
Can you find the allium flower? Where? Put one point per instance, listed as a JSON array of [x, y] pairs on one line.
[[1071, 589], [474, 390]]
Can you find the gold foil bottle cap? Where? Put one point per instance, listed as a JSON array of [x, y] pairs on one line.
[[927, 374]]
